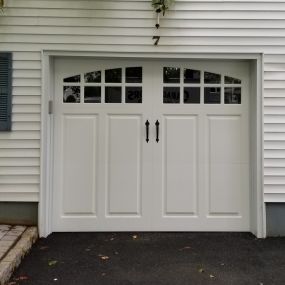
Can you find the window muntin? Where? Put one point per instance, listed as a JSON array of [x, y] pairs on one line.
[[117, 85], [199, 87]]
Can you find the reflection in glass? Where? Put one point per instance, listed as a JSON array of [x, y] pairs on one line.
[[191, 76], [231, 80], [92, 77], [171, 75], [113, 75], [134, 75], [171, 95], [212, 78], [232, 95], [92, 94], [192, 95], [113, 94], [75, 78], [212, 95], [133, 94], [71, 94]]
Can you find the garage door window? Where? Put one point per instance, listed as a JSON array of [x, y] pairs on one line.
[[199, 87], [117, 85]]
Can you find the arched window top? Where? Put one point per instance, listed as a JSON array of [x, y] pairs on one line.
[[112, 75], [92, 77], [72, 79], [232, 80]]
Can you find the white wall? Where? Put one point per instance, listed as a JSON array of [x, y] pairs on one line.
[[221, 26]]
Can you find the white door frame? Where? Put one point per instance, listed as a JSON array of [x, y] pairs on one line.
[[258, 224]]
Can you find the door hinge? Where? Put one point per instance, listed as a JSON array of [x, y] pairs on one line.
[[50, 105]]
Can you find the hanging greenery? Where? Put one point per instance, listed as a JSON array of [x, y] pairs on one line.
[[2, 7], [161, 5]]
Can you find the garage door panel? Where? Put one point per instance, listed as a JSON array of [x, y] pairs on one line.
[[225, 138], [124, 174], [180, 165], [79, 164], [224, 162], [225, 189]]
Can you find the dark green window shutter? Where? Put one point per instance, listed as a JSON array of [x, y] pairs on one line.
[[5, 91]]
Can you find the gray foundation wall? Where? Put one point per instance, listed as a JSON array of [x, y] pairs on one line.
[[20, 213], [275, 219]]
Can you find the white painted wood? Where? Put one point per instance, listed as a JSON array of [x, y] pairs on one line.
[[217, 190], [180, 164], [116, 186], [124, 173], [157, 185], [225, 160], [78, 154]]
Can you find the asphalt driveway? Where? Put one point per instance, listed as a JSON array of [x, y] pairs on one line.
[[153, 258]]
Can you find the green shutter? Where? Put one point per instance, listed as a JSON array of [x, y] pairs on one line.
[[5, 91]]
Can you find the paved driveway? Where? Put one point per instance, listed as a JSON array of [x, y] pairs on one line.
[[153, 258]]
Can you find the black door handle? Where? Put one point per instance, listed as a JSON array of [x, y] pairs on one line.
[[147, 130], [157, 131]]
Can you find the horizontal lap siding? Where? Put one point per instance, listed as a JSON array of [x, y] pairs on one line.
[[28, 26], [20, 149], [274, 124]]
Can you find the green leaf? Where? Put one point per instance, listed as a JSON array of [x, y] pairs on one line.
[[52, 262]]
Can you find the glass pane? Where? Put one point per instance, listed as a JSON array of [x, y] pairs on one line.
[[113, 75], [212, 78], [92, 77], [134, 75], [133, 94], [212, 95], [191, 76], [171, 95], [232, 95], [92, 94], [113, 94], [75, 78], [171, 75], [192, 95], [71, 94], [231, 80]]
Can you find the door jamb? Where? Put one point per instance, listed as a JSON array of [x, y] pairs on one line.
[[258, 222]]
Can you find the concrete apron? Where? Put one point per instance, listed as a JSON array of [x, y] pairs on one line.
[[15, 242]]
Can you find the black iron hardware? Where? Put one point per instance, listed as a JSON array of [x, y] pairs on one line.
[[157, 131], [147, 130], [156, 38]]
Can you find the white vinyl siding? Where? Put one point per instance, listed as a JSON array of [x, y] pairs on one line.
[[213, 26], [20, 148], [274, 127]]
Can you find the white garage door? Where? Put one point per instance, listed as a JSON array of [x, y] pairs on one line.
[[151, 146]]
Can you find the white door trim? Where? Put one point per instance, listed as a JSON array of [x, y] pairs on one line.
[[258, 222]]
